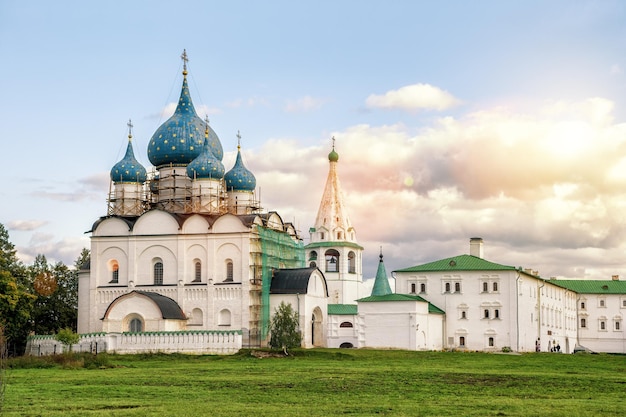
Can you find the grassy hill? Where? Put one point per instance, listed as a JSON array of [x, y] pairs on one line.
[[318, 383]]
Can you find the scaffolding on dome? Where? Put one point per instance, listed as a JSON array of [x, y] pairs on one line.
[[275, 250]]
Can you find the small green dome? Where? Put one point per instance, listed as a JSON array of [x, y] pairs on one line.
[[333, 156]]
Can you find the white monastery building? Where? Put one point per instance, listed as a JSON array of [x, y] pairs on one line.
[[186, 260]]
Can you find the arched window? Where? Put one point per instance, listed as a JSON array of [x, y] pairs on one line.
[[462, 341], [229, 270], [115, 272], [332, 260], [135, 325], [496, 313], [313, 256], [447, 287], [486, 313], [346, 324], [422, 288], [224, 318], [457, 287], [463, 315], [158, 272], [197, 272], [495, 287], [583, 322], [485, 286], [491, 342], [412, 288], [351, 262], [312, 264]]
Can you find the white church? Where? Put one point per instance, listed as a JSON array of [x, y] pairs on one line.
[[187, 260]]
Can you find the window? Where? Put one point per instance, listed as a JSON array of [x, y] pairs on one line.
[[413, 288], [158, 273], [346, 324], [351, 263], [447, 287], [457, 287], [224, 318], [583, 322], [486, 313], [197, 272], [332, 260], [422, 288], [115, 271], [322, 236], [462, 341], [135, 326], [602, 303], [496, 313], [582, 305], [463, 315], [229, 271], [485, 286], [602, 325], [491, 342], [617, 325], [338, 235], [623, 303], [313, 256], [495, 287]]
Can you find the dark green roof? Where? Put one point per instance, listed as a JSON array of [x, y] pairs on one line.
[[401, 297], [381, 283], [332, 244], [588, 286], [459, 263], [343, 309]]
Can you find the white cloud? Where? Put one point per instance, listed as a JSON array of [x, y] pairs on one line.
[[25, 225], [414, 97], [304, 104], [544, 189], [615, 69]]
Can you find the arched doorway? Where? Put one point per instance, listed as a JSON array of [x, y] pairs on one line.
[[317, 333]]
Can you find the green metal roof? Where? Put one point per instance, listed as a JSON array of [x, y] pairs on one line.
[[588, 286], [343, 309], [333, 244], [401, 297], [459, 263]]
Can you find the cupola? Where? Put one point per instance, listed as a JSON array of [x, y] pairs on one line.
[[128, 170], [239, 178], [179, 140]]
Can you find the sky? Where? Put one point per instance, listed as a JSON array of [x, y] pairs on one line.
[[504, 120]]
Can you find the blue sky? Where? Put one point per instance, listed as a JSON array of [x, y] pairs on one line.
[[454, 119]]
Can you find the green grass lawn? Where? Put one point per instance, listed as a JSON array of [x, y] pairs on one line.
[[324, 383]]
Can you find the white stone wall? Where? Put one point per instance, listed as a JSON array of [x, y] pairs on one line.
[[192, 342], [399, 325], [596, 309]]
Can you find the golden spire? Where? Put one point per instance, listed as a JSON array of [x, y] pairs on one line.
[[206, 126], [130, 130], [185, 60]]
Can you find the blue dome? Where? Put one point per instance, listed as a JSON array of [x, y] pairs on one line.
[[205, 165], [239, 178], [128, 169], [179, 140]]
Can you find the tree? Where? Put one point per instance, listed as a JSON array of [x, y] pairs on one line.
[[3, 359], [56, 287], [16, 299], [284, 328], [67, 337]]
